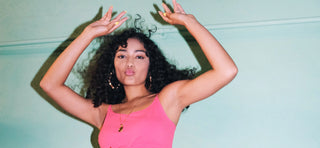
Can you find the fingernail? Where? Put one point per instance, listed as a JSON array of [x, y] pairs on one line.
[[164, 14], [116, 23]]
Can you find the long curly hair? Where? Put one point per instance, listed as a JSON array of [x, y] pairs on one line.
[[104, 86]]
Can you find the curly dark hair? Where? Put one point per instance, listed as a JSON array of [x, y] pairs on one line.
[[160, 70]]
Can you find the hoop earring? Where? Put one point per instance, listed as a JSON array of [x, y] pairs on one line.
[[110, 84], [150, 82]]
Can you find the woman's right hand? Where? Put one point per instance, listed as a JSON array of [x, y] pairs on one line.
[[105, 25]]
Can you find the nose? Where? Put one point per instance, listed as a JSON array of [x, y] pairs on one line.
[[130, 63]]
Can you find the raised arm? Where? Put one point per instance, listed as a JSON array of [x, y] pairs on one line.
[[53, 81], [223, 67]]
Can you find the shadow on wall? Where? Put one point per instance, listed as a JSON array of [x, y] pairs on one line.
[[46, 65], [192, 43]]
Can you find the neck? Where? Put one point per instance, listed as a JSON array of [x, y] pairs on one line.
[[133, 92]]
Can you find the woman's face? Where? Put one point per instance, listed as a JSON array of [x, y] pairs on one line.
[[131, 63]]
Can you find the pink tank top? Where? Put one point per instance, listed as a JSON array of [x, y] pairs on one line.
[[147, 128]]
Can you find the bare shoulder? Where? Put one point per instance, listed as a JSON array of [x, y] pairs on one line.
[[101, 114], [171, 101], [103, 108], [169, 95]]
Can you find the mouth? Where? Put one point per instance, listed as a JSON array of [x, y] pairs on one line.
[[129, 72]]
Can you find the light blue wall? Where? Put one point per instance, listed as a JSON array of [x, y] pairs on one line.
[[273, 102]]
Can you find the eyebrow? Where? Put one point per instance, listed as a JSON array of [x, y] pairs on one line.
[[124, 50]]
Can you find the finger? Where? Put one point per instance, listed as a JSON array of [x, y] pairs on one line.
[[107, 16], [175, 8], [118, 24], [166, 8], [162, 14], [181, 9], [117, 18], [109, 13], [165, 18]]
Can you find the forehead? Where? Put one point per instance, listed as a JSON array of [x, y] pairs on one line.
[[132, 45]]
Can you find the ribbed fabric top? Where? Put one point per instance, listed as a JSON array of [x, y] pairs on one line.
[[147, 128]]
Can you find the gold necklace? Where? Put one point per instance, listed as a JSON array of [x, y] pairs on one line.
[[126, 118]]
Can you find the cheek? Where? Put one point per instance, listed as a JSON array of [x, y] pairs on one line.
[[145, 67], [119, 63], [118, 66]]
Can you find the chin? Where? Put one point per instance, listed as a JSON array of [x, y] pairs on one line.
[[132, 84]]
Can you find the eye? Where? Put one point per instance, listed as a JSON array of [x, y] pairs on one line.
[[120, 56], [140, 57]]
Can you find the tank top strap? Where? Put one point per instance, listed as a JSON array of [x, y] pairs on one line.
[[109, 108], [106, 116], [157, 101]]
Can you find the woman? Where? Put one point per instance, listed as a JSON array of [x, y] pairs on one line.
[[143, 116]]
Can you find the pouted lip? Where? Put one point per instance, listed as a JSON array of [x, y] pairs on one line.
[[129, 72]]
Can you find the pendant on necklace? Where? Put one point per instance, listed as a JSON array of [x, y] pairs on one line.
[[121, 127]]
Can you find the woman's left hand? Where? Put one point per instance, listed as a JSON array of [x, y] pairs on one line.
[[178, 17]]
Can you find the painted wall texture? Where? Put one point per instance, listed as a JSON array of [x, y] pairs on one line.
[[272, 103]]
